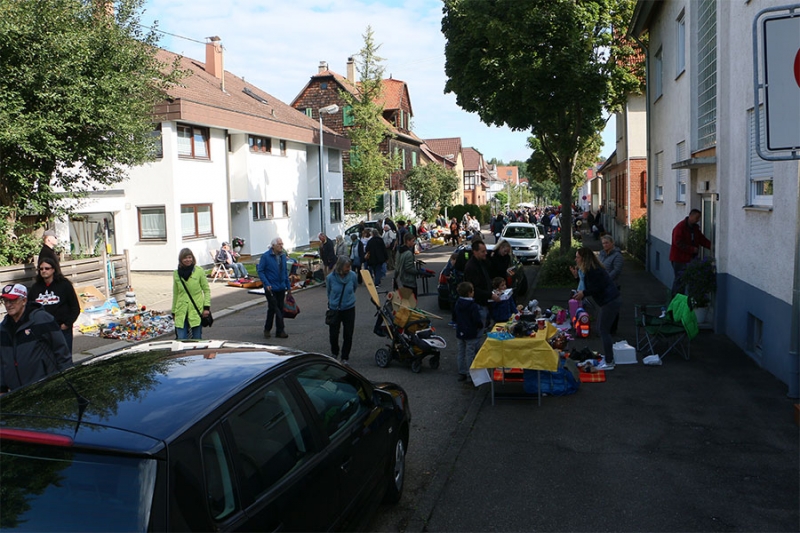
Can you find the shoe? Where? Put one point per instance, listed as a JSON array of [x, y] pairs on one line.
[[346, 362], [452, 324], [282, 335], [462, 377], [267, 334], [604, 365]]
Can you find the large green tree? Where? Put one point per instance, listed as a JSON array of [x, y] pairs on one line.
[[430, 188], [77, 87], [548, 66], [368, 168]]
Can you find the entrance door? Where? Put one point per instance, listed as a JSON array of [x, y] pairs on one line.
[[708, 222]]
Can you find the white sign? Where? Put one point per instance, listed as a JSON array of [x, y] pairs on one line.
[[782, 79]]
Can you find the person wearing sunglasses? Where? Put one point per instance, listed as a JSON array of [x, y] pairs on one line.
[[31, 343], [56, 295]]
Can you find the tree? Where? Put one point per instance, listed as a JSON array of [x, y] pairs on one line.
[[550, 66], [368, 167], [77, 90], [429, 188]]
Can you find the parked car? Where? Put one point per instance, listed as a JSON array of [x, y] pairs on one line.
[[204, 436], [368, 224], [525, 241]]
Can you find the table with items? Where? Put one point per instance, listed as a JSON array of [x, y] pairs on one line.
[[502, 352]]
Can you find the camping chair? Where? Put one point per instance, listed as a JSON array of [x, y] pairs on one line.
[[220, 270], [659, 330]]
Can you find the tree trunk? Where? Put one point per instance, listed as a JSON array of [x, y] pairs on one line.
[[565, 176]]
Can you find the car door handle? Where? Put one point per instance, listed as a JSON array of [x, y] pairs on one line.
[[345, 466]]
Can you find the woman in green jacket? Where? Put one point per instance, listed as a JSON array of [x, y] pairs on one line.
[[189, 284], [405, 273]]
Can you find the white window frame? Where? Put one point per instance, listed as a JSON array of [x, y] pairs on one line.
[[659, 185], [680, 44], [760, 173], [681, 174]]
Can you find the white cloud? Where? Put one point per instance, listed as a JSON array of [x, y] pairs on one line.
[[278, 45]]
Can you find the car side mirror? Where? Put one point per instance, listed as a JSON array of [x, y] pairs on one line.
[[383, 399]]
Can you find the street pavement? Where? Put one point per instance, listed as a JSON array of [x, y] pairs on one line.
[[707, 444]]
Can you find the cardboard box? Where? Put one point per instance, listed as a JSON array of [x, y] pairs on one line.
[[624, 354], [89, 297]]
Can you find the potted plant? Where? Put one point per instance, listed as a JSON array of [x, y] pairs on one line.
[[700, 279], [237, 243]]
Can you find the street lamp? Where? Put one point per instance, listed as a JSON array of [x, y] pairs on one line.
[[327, 110]]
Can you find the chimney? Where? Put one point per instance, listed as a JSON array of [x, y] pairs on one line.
[[351, 70], [214, 57], [323, 66]]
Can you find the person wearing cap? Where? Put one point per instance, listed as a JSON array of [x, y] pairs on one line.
[[48, 246], [31, 343], [229, 258], [56, 295]]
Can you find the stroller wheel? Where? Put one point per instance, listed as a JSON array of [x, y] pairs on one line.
[[434, 361], [416, 365], [382, 358]]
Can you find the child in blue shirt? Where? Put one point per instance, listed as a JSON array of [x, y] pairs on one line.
[[469, 328]]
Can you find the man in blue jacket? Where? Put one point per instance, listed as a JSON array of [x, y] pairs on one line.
[[275, 276]]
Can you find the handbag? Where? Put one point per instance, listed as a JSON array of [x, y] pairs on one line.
[[205, 321], [332, 315], [290, 307]]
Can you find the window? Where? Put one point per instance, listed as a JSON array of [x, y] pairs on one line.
[[334, 163], [282, 144], [336, 211], [260, 144], [706, 74], [158, 142], [271, 438], [270, 209], [323, 85], [469, 180], [285, 209], [759, 171], [413, 159], [338, 397], [192, 142], [309, 112], [680, 45], [259, 210], [152, 223], [348, 118], [643, 189], [218, 476], [681, 174], [196, 221], [659, 185], [658, 74]]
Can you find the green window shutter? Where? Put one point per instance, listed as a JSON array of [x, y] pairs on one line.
[[347, 116], [413, 159], [404, 159], [402, 122], [310, 112]]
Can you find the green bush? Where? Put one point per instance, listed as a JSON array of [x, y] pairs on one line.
[[555, 267], [486, 214], [637, 239]]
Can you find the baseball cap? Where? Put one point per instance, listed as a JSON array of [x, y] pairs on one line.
[[12, 292]]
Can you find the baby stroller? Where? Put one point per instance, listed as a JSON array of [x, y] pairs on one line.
[[411, 338]]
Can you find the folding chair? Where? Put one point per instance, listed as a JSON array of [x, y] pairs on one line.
[[220, 269], [661, 329]]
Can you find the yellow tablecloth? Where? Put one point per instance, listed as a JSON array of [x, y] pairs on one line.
[[533, 353]]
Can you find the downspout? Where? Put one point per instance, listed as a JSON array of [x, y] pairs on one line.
[[628, 175], [228, 188], [648, 260]]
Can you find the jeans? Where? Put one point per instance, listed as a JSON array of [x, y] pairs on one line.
[[608, 313], [274, 310], [68, 337], [467, 348], [188, 332], [239, 270], [378, 272], [678, 286], [347, 320]]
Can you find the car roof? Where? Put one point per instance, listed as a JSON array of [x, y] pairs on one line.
[[154, 390], [525, 224]]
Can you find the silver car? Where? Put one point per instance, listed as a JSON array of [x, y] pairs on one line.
[[525, 240]]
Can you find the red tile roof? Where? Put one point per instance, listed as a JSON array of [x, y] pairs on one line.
[[447, 146], [472, 159]]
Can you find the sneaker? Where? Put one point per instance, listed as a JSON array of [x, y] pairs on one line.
[[452, 324], [462, 377], [346, 362], [605, 365], [267, 334], [282, 335]]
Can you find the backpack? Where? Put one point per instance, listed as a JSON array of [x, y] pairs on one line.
[[562, 382]]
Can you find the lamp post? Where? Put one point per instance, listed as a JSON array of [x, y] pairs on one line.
[[327, 110]]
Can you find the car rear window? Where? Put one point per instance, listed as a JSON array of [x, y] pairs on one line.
[[521, 233], [47, 488]]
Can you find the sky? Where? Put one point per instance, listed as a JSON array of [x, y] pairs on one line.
[[278, 45]]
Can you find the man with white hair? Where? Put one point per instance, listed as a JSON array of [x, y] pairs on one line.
[[31, 343], [49, 242], [389, 237]]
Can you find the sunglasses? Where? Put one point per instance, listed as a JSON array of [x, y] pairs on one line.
[[45, 269]]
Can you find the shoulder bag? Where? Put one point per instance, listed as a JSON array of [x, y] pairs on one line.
[[205, 321], [332, 315]]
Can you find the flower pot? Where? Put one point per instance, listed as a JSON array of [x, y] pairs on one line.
[[702, 314], [237, 249]]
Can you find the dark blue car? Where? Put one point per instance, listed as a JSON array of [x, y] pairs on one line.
[[202, 436]]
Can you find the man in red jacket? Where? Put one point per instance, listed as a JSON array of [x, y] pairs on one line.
[[686, 242]]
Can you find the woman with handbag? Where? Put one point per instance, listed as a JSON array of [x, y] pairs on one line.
[[190, 290], [341, 286]]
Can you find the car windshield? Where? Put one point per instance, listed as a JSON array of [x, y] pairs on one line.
[[520, 233], [48, 488]]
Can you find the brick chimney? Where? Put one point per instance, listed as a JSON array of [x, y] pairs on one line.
[[214, 57], [351, 70], [323, 66]]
